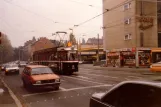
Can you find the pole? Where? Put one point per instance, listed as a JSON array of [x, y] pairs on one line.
[[19, 54], [80, 49], [98, 49]]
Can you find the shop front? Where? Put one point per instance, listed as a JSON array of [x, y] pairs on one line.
[[130, 57], [113, 59], [144, 58]]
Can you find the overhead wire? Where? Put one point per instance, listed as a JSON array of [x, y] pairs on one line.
[[77, 25], [89, 5], [121, 19], [34, 13]]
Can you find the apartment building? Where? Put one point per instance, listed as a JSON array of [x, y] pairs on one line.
[[131, 28]]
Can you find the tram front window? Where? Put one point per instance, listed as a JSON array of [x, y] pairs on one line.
[[72, 56]]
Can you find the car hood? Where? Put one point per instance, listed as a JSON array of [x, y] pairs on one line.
[[44, 77], [12, 68], [98, 96]]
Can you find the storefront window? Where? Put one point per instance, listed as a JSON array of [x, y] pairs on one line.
[[128, 59], [144, 58]]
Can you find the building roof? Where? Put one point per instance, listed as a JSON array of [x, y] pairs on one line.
[[94, 41]]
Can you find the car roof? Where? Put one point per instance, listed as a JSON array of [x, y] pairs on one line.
[[146, 83], [36, 66], [150, 83]]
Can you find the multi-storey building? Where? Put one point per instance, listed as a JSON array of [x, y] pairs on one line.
[[131, 28]]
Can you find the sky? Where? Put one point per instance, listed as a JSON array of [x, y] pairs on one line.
[[23, 19]]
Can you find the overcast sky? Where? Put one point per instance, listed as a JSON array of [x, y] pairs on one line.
[[23, 19]]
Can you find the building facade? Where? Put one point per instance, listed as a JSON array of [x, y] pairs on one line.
[[130, 30]]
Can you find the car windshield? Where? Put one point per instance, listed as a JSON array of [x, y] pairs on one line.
[[41, 70], [11, 66], [22, 62]]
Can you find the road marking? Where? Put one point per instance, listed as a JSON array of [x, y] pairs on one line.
[[99, 75], [83, 77], [62, 80], [134, 77], [67, 90], [17, 101], [83, 80], [62, 88]]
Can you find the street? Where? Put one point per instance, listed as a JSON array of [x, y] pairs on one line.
[[75, 90]]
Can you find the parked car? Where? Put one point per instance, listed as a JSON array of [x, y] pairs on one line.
[[37, 76], [11, 68], [155, 67], [2, 67], [129, 94]]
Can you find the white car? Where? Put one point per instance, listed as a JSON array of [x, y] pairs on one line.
[[11, 68]]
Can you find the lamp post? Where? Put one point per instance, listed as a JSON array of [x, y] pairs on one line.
[[98, 49]]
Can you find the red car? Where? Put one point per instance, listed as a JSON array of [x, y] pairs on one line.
[[39, 76]]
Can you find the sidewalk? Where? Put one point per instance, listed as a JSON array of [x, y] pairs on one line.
[[5, 98], [141, 70]]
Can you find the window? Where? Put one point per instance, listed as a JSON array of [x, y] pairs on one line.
[[127, 6], [127, 21], [127, 37]]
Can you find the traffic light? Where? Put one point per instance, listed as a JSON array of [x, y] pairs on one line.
[[0, 38]]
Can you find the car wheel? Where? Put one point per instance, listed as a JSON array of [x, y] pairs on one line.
[[6, 73], [29, 86], [18, 72], [57, 88], [24, 84]]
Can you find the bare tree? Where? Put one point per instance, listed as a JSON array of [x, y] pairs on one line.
[[6, 50]]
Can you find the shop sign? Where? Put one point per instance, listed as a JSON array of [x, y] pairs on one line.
[[128, 53], [145, 22], [126, 49], [133, 49], [143, 49], [112, 54]]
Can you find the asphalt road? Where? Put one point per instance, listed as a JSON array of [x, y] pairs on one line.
[[75, 90]]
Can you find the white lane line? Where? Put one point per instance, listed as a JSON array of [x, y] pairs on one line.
[[83, 77], [17, 101], [62, 80], [96, 86], [62, 88], [83, 80], [71, 89], [100, 75], [134, 77]]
